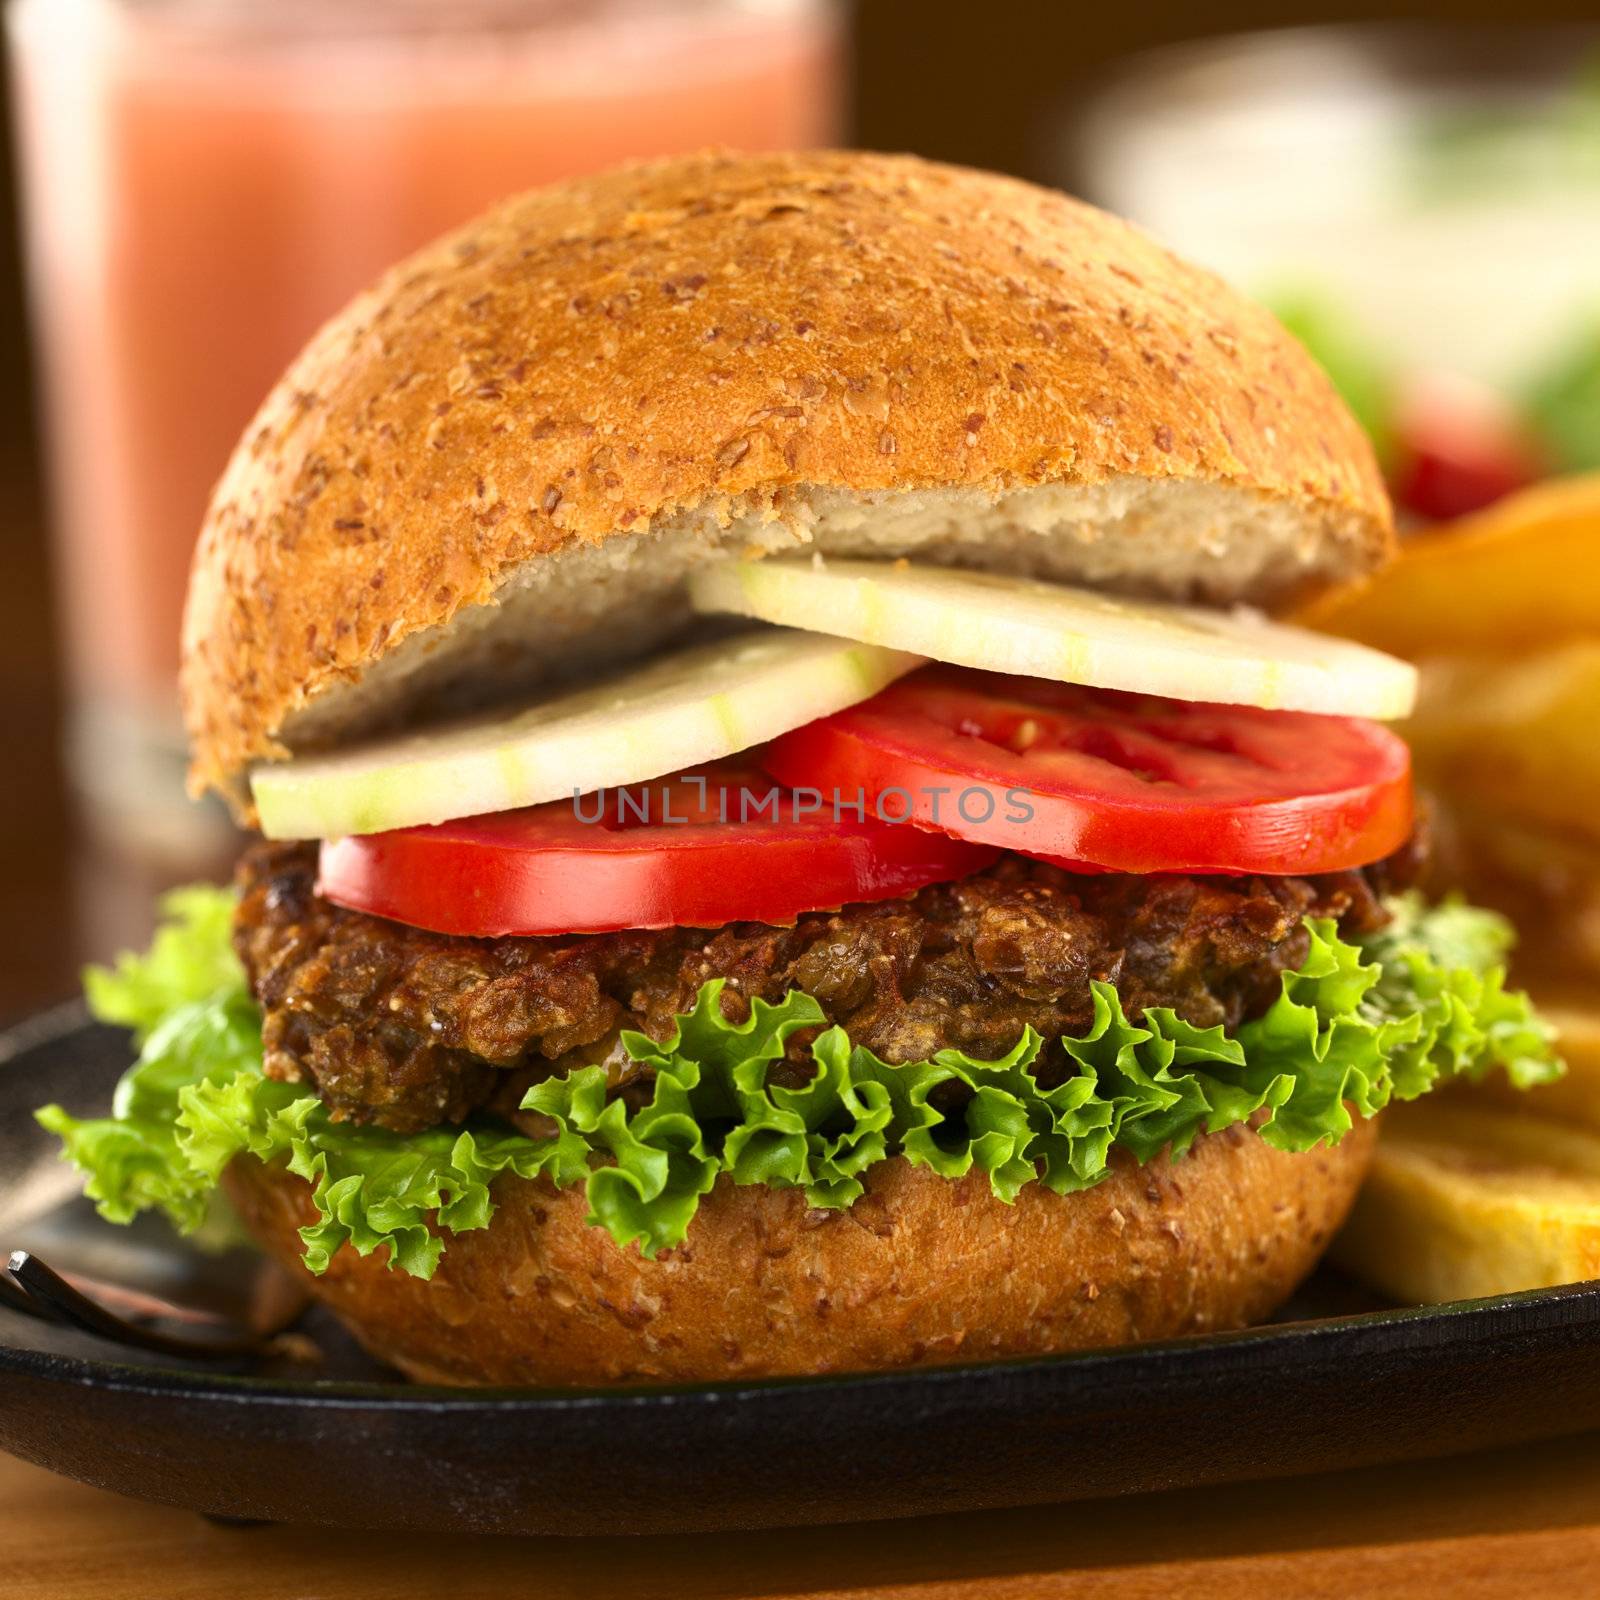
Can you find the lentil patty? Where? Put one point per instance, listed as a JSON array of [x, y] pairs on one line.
[[407, 1029]]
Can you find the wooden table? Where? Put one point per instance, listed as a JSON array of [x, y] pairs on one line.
[[1523, 1523]]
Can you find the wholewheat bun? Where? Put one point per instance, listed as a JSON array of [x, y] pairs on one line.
[[499, 463], [921, 1270]]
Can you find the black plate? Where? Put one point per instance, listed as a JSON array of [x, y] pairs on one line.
[[357, 1448]]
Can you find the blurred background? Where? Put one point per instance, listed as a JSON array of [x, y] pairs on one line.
[[190, 186]]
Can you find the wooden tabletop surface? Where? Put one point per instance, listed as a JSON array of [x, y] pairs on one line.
[[1523, 1522]]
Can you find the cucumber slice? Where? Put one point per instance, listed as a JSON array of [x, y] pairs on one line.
[[1052, 630], [675, 711]]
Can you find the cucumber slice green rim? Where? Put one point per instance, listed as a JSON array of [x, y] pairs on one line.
[[673, 711], [1071, 635]]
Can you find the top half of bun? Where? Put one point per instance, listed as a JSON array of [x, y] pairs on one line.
[[499, 462]]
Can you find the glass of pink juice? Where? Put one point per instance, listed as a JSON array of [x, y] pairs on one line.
[[206, 180]]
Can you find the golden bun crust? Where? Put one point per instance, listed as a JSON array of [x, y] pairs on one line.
[[922, 1270], [727, 338]]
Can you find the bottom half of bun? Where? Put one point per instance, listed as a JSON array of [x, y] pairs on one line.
[[920, 1270]]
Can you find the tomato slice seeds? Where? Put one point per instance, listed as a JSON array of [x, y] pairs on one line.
[[718, 845], [1116, 781]]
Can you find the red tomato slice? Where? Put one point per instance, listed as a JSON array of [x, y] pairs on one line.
[[725, 844], [1459, 448], [1127, 783]]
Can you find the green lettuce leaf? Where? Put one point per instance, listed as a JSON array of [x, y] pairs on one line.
[[1564, 400], [1366, 378], [371, 1188], [196, 1097], [190, 959], [1354, 1026]]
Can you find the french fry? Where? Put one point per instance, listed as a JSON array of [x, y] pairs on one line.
[[1524, 574], [1546, 881], [1519, 737], [1466, 1200]]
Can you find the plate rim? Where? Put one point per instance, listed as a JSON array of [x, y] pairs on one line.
[[1529, 1310]]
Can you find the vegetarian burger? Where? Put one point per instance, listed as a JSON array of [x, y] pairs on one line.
[[788, 845]]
